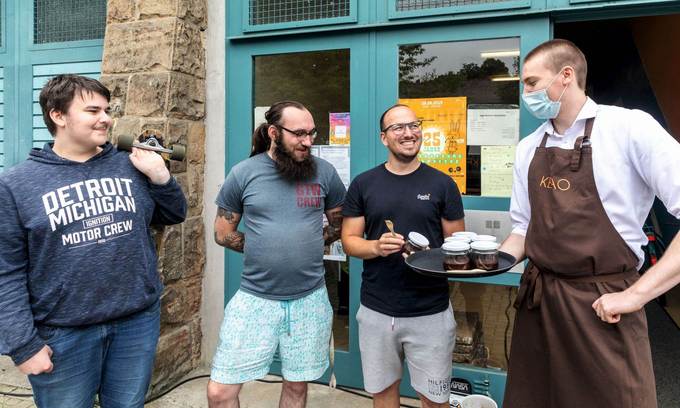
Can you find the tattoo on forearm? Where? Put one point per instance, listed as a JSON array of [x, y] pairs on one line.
[[227, 215], [233, 240], [333, 230]]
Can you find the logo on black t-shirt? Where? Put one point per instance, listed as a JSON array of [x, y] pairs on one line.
[[424, 197]]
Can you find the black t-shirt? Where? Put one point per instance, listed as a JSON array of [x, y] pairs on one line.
[[414, 202]]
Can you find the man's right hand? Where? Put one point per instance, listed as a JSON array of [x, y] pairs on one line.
[[39, 363], [388, 244]]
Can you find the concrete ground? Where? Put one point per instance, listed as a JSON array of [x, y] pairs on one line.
[[192, 394]]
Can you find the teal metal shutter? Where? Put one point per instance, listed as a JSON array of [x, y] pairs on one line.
[[2, 118]]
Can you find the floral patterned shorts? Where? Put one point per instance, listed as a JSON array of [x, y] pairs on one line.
[[254, 327]]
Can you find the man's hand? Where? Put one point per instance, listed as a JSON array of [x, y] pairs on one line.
[[40, 363], [611, 306], [388, 244], [333, 230], [151, 164]]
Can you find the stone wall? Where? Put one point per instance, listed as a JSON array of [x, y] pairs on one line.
[[154, 65]]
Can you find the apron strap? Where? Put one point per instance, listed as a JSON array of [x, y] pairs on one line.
[[530, 288], [531, 283], [545, 139], [581, 142]]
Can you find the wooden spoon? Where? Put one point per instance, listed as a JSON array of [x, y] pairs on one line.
[[390, 226]]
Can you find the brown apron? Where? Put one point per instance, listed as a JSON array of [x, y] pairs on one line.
[[562, 354]]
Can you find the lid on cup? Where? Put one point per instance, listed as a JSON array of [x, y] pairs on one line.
[[461, 238], [484, 245], [468, 234], [485, 238], [455, 246], [418, 239]]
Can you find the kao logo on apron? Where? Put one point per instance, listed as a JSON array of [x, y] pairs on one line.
[[555, 184]]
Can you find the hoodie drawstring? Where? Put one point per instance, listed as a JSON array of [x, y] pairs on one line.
[[285, 304]]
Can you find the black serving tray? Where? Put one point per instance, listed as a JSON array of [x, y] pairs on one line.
[[431, 263]]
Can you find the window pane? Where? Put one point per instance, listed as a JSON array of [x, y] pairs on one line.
[[484, 317], [284, 11], [68, 20], [405, 5], [320, 81], [467, 93]]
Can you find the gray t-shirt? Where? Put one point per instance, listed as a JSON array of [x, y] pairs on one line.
[[283, 225]]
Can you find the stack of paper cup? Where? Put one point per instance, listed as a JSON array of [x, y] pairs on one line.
[[489, 238], [478, 401]]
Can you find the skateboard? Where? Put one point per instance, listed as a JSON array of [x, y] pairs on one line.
[[149, 141]]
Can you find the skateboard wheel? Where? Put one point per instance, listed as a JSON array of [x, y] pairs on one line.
[[125, 142], [178, 152]]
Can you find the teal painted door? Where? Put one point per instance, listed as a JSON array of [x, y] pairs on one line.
[[329, 75], [476, 65], [40, 39]]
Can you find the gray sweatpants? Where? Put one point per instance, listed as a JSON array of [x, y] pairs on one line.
[[425, 342]]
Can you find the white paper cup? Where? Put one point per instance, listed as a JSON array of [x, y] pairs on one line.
[[478, 401]]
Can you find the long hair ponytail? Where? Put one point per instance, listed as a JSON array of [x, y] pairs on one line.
[[261, 140]]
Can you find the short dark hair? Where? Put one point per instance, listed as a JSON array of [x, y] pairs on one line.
[[59, 92], [260, 142], [560, 53], [382, 117]]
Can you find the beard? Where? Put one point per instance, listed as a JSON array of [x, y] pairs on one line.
[[290, 168], [405, 158], [402, 158]]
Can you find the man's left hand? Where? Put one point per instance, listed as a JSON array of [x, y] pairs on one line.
[[611, 306], [151, 164]]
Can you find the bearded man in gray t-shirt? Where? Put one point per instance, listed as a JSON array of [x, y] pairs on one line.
[[281, 193]]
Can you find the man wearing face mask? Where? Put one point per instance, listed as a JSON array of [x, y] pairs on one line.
[[584, 182]]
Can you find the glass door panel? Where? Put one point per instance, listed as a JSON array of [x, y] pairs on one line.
[[320, 80], [479, 80]]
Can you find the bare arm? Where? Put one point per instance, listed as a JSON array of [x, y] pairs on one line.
[[226, 233], [514, 245], [657, 280], [354, 243], [449, 227], [332, 231]]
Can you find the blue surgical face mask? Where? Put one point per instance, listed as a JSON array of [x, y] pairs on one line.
[[540, 105]]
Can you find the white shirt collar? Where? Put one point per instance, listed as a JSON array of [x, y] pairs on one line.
[[589, 110]]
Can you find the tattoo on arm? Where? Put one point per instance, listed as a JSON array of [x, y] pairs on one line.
[[234, 240], [332, 231], [227, 215]]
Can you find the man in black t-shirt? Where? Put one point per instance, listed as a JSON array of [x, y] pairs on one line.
[[402, 313]]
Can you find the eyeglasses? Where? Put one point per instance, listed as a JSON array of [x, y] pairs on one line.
[[400, 128], [301, 133]]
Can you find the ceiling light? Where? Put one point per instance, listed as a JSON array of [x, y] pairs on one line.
[[500, 54]]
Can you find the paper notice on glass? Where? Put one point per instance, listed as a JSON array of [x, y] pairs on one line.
[[338, 128], [496, 127], [336, 253], [315, 151], [258, 115], [444, 135], [496, 170], [338, 156]]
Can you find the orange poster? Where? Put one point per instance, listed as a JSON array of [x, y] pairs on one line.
[[444, 134]]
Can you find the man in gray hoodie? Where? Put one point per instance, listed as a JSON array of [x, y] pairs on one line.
[[79, 287]]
